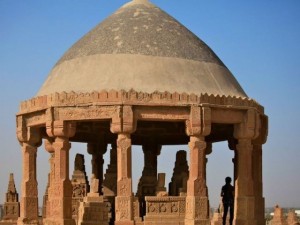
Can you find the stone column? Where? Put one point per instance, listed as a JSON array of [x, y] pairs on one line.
[[49, 148], [258, 184], [97, 150], [124, 199], [29, 199], [244, 203], [148, 180], [244, 194], [123, 124], [61, 188], [197, 206]]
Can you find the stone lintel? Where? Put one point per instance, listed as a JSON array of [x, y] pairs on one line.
[[199, 122], [123, 120], [250, 126]]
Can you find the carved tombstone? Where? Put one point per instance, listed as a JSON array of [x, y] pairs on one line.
[[292, 218], [93, 210], [80, 184], [11, 205], [178, 183], [278, 218]]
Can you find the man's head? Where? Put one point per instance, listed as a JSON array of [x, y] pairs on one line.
[[228, 180]]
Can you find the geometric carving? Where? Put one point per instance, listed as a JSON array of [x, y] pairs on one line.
[[165, 210]]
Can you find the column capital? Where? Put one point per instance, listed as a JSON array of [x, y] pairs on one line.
[[250, 127], [30, 135], [199, 122], [151, 145], [98, 148], [59, 128], [123, 120], [49, 145]]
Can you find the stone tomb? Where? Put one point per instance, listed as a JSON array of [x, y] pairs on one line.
[[160, 93], [11, 204]]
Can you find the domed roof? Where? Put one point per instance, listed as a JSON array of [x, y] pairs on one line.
[[143, 48]]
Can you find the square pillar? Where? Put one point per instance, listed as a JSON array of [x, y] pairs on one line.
[[124, 199], [258, 184], [244, 205], [29, 199], [197, 204]]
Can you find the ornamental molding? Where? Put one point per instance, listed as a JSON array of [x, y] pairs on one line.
[[112, 97]]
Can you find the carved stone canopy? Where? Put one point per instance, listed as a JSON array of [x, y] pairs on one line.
[[165, 117]]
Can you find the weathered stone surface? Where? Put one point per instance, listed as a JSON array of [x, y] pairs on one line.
[[278, 218], [93, 210], [173, 92]]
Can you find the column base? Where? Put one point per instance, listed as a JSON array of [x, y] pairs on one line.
[[124, 210], [24, 221], [197, 211], [129, 222], [52, 221], [244, 211], [260, 211]]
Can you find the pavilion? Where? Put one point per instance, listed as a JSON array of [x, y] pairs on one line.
[[142, 78]]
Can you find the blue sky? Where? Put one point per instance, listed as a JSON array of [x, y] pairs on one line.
[[257, 40]]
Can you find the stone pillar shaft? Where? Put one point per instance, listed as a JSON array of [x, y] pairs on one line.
[[244, 209], [29, 199], [197, 206], [124, 199], [258, 184], [60, 191]]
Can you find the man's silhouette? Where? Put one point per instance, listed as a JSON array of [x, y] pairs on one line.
[[227, 194]]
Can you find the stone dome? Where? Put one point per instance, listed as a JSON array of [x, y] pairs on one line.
[[143, 48]]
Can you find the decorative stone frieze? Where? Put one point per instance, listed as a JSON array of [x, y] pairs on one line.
[[133, 98]]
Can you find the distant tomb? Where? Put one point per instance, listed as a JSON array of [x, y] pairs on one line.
[[11, 205], [80, 184], [178, 184]]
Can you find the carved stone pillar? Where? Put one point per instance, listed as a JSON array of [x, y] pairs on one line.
[[244, 194], [29, 199], [244, 204], [60, 197], [124, 199], [258, 184], [97, 150], [147, 183], [48, 194], [197, 206], [123, 124]]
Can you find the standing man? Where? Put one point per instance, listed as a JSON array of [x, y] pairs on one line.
[[227, 194]]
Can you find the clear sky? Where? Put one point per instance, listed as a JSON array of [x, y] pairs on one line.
[[259, 41]]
